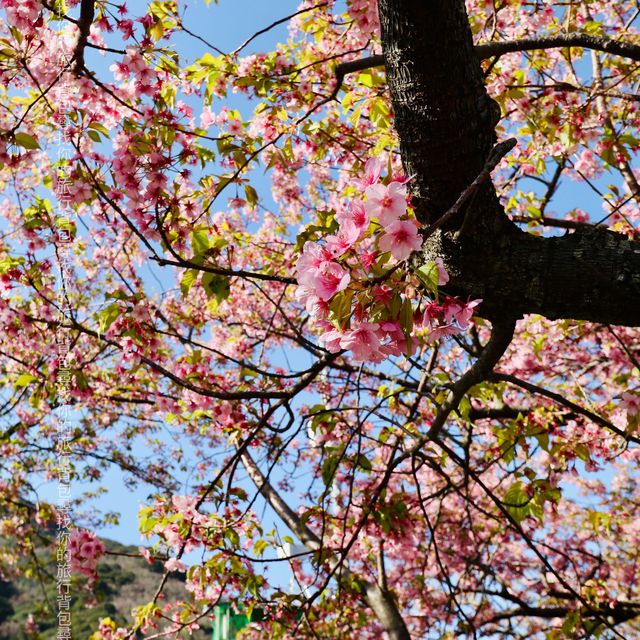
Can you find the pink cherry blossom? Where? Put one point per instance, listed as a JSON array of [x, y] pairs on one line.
[[146, 554], [367, 259], [460, 313], [234, 126], [397, 340], [401, 238], [349, 234], [207, 118], [331, 340], [85, 550], [443, 276], [359, 214], [315, 307], [363, 342], [355, 213], [372, 170], [386, 203], [329, 279], [173, 564], [630, 403], [319, 274], [587, 165], [442, 331], [313, 256]]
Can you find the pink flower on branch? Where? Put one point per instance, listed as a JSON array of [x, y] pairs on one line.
[[363, 342], [85, 550], [386, 203], [319, 274], [401, 238], [630, 402], [173, 564], [372, 170], [329, 280], [347, 237], [355, 214], [443, 276], [460, 313]]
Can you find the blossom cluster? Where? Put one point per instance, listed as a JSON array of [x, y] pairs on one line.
[[344, 286], [109, 630], [85, 550]]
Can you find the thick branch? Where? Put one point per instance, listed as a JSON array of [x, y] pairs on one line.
[[499, 47], [497, 153], [443, 114], [606, 45], [618, 613], [87, 13], [345, 68], [481, 369], [590, 274]]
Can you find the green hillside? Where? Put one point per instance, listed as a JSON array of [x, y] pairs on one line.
[[122, 581]]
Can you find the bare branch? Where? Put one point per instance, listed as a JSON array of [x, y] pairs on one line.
[[565, 402], [275, 24], [345, 68]]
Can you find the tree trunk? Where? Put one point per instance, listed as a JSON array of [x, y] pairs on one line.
[[445, 121]]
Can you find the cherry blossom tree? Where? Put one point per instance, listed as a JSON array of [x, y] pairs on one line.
[[336, 286]]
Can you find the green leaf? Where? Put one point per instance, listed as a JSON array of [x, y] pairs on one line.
[[365, 79], [216, 286], [429, 275], [406, 317], [543, 440], [146, 521], [82, 382], [217, 243], [24, 380], [26, 141], [97, 126], [199, 242], [259, 547], [364, 463], [232, 536], [517, 502], [340, 307], [187, 281], [329, 468], [251, 195], [108, 316]]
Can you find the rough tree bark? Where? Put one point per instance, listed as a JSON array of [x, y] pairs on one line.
[[445, 121]]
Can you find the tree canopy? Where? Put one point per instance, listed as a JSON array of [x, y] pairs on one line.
[[362, 306]]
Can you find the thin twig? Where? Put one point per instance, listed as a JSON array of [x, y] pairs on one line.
[[275, 24], [496, 154]]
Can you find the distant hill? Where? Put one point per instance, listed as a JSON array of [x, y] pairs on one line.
[[122, 582]]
